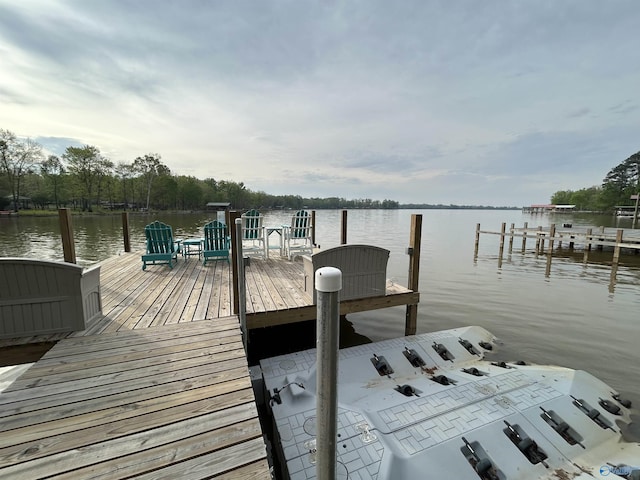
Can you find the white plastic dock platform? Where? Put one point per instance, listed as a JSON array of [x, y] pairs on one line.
[[429, 406]]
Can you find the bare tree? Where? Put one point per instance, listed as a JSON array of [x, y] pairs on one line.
[[17, 159], [53, 171], [124, 171], [150, 167]]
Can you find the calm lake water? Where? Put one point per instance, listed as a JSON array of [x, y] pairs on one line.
[[572, 317]]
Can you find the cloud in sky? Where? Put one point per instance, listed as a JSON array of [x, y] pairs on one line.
[[493, 102]]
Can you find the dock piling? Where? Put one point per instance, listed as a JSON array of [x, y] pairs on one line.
[[524, 237], [475, 251], [343, 230], [242, 294], [233, 216], [502, 233], [415, 240], [552, 234], [66, 230], [587, 246], [511, 238], [125, 232], [313, 229]]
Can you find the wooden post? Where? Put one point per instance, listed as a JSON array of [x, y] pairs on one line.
[[635, 211], [313, 229], [125, 231], [616, 257], [587, 246], [415, 239], [475, 250], [233, 214], [524, 237], [616, 249], [552, 234], [601, 247], [502, 232], [343, 238], [66, 230], [511, 238], [538, 237], [541, 242]]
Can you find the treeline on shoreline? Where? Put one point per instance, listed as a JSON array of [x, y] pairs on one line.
[[84, 180], [618, 187]]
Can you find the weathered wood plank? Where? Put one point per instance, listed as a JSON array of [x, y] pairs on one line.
[[213, 463], [109, 440], [123, 339], [177, 349], [100, 375], [252, 471], [187, 442], [39, 398], [192, 398]]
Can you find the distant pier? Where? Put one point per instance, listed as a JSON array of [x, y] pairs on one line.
[[545, 239]]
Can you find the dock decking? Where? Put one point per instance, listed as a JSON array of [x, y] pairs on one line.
[[158, 387], [172, 401], [134, 299]]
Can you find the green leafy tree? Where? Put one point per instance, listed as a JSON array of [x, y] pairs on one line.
[[86, 164], [165, 192], [623, 180], [190, 195]]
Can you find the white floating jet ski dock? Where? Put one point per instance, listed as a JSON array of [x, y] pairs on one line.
[[430, 406]]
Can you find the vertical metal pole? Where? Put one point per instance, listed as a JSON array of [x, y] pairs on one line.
[[328, 286], [242, 295]]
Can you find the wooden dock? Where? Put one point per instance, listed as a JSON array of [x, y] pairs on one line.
[[170, 401], [135, 299], [159, 386]]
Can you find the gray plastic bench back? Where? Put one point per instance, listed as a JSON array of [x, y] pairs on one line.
[[364, 270], [39, 297]]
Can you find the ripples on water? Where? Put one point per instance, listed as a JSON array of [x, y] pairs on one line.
[[572, 318]]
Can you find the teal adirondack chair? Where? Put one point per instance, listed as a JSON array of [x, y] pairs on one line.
[[253, 234], [216, 242], [162, 248], [297, 236]]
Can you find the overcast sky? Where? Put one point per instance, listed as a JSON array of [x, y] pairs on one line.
[[479, 102]]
